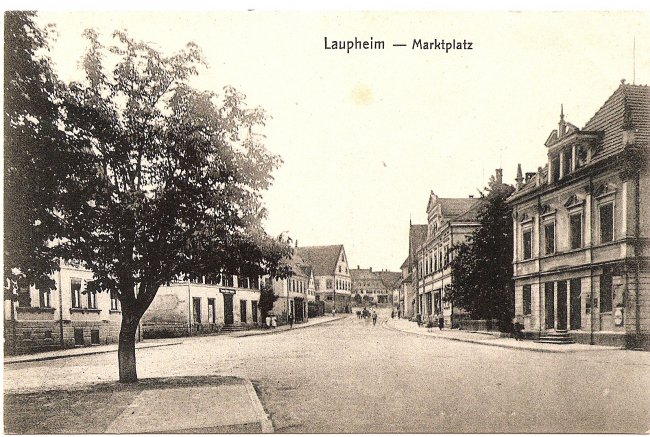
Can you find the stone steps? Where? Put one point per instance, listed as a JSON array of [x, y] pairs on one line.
[[557, 337]]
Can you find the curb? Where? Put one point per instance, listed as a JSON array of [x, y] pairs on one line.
[[90, 352], [484, 343], [265, 421]]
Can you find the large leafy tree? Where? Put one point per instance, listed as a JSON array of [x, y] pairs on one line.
[[34, 155], [167, 179], [482, 267]]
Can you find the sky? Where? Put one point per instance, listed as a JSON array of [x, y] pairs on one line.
[[365, 136]]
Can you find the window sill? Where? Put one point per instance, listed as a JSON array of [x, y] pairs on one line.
[[115, 311], [85, 310], [35, 310]]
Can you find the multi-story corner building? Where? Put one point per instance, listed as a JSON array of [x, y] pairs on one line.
[[295, 294], [450, 222], [331, 275], [203, 305], [408, 294], [67, 316], [582, 226], [373, 287]]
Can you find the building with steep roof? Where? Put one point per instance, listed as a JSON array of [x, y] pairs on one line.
[[332, 282], [582, 226], [406, 307], [449, 222], [373, 287], [296, 292]]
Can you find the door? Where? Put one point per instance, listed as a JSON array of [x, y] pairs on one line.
[[196, 309], [299, 316], [576, 304], [549, 306], [561, 305], [254, 311], [228, 316], [242, 311]]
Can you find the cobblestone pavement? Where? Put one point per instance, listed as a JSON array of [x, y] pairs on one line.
[[351, 376]]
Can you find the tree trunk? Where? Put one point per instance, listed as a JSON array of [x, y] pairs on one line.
[[126, 349]]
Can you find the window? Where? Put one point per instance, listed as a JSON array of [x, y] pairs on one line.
[[254, 310], [212, 315], [317, 285], [92, 299], [528, 243], [549, 238], [568, 160], [94, 336], [340, 269], [78, 336], [44, 298], [227, 280], [575, 230], [329, 283], [24, 297], [555, 169], [244, 282], [606, 292], [75, 288], [114, 300], [255, 282], [581, 156], [606, 222], [527, 310]]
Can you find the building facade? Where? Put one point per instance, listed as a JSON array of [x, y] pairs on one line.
[[203, 306], [581, 228], [450, 222], [64, 317], [295, 294], [332, 282], [408, 293]]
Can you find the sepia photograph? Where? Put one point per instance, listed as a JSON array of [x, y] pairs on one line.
[[341, 219]]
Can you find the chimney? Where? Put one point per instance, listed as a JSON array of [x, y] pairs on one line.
[[499, 176], [358, 268], [296, 243], [371, 269]]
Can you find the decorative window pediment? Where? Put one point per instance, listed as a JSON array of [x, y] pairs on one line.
[[605, 190], [574, 201], [547, 212], [526, 218]]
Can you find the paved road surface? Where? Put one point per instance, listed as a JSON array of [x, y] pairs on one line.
[[351, 376]]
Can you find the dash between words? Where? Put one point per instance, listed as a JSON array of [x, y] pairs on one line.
[[372, 44]]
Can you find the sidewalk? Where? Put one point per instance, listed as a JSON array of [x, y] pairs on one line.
[[312, 322], [191, 404], [490, 340], [87, 350]]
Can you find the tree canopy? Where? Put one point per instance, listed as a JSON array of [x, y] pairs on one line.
[[482, 267], [35, 157]]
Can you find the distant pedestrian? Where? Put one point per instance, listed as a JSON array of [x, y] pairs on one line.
[[333, 312], [290, 320], [441, 323], [392, 314], [374, 317]]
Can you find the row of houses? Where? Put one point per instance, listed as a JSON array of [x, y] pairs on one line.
[[581, 227], [70, 316]]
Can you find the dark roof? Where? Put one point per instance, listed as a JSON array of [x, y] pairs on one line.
[[322, 259], [608, 120], [471, 214], [390, 279], [405, 263], [451, 207]]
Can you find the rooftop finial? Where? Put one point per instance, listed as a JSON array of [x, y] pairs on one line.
[[561, 111]]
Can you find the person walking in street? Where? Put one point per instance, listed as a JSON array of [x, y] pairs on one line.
[[290, 320], [374, 317]]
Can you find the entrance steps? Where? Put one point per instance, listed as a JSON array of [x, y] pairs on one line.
[[560, 336]]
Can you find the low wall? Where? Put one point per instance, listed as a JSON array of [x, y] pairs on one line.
[[479, 325]]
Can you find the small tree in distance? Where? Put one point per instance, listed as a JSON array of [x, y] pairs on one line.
[[166, 179]]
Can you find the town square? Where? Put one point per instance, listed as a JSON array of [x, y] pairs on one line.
[[204, 233]]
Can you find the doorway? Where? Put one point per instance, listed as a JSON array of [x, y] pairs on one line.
[[549, 305], [561, 305], [228, 316]]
